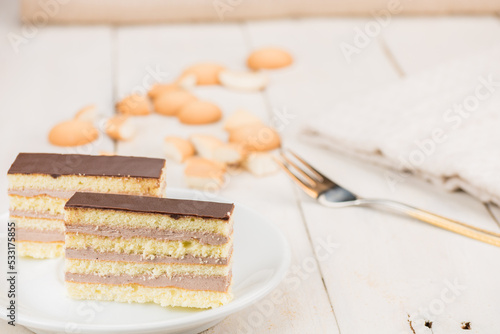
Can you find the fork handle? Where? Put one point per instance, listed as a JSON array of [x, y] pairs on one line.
[[437, 220]]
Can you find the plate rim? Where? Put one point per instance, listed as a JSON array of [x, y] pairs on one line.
[[197, 318]]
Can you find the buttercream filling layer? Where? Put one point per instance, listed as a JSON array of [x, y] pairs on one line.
[[34, 214], [91, 254], [188, 282], [64, 194], [162, 234], [28, 234]]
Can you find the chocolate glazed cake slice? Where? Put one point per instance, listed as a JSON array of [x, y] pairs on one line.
[[145, 249], [41, 183]]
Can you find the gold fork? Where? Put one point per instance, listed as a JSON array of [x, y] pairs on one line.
[[330, 194]]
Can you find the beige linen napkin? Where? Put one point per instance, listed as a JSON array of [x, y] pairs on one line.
[[443, 125]]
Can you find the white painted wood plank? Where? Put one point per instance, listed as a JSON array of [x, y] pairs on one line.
[[300, 304], [58, 71], [319, 78], [388, 267]]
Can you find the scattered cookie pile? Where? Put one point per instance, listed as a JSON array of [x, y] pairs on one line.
[[248, 146], [249, 139]]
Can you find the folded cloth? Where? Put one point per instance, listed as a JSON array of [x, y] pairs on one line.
[[443, 125]]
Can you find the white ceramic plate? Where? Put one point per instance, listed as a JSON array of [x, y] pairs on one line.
[[261, 260]]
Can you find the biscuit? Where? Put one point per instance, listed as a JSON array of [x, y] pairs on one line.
[[255, 137], [87, 114], [199, 112], [269, 58], [230, 154], [160, 89], [134, 105], [239, 118], [243, 81], [205, 145], [169, 104], [106, 153], [120, 128], [206, 73], [178, 149], [260, 163], [201, 173], [73, 133], [187, 81]]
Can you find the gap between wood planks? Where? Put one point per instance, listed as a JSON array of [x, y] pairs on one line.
[[492, 208], [390, 57]]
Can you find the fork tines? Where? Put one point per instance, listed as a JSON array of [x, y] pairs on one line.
[[307, 177]]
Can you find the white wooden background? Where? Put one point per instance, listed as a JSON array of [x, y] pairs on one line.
[[378, 273]]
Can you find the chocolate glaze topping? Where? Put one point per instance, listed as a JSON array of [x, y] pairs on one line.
[[89, 165], [175, 208]]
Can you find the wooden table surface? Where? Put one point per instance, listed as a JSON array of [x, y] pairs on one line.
[[354, 270]]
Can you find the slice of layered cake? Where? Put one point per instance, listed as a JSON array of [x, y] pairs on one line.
[[144, 249], [41, 183]]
